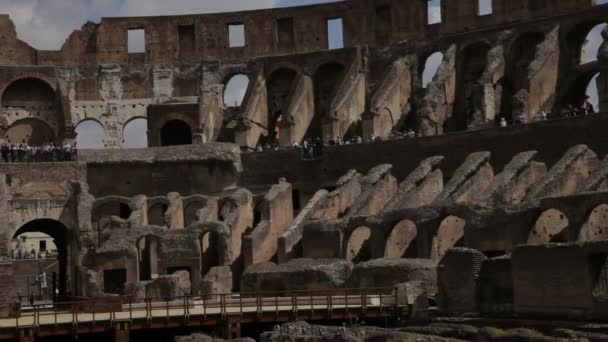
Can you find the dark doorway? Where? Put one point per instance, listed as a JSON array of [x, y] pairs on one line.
[[176, 132], [114, 281]]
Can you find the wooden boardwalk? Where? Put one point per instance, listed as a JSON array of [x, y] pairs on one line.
[[226, 310]]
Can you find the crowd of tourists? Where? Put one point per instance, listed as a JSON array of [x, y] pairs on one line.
[[21, 252], [25, 153]]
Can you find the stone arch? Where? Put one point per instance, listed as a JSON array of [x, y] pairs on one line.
[[30, 131], [156, 213], [176, 132], [358, 248], [548, 227], [191, 209], [29, 91], [471, 64], [578, 51], [596, 226], [326, 82], [449, 234], [584, 84], [31, 98], [104, 209], [519, 56], [90, 134], [591, 47], [431, 66], [278, 89], [60, 234], [401, 240], [235, 90], [135, 133]]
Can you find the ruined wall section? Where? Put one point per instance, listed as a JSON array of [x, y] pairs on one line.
[[193, 37]]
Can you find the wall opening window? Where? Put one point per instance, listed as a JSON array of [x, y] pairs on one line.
[[285, 34], [236, 35], [432, 64], [186, 37], [434, 12], [235, 90], [335, 33], [136, 40], [484, 7]]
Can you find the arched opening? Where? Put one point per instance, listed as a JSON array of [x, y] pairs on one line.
[[583, 43], [191, 212], [279, 86], [430, 68], [583, 95], [208, 245], [548, 227], [135, 134], [147, 255], [56, 282], [156, 214], [358, 248], [176, 132], [89, 135], [472, 62], [520, 56], [401, 242], [449, 234], [596, 226], [235, 90], [591, 44], [31, 98], [327, 79], [102, 214], [33, 132]]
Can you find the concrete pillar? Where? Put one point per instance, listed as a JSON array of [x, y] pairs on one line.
[[27, 335], [122, 332], [232, 329]]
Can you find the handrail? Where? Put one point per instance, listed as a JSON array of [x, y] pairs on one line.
[[119, 308]]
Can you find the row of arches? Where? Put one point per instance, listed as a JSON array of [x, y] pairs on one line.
[[90, 134], [582, 44], [402, 241]]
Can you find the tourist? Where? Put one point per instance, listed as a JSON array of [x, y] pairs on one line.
[[503, 122], [13, 151], [587, 107], [520, 118]]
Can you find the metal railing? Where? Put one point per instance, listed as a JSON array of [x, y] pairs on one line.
[[277, 304]]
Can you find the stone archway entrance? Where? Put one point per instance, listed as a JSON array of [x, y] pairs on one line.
[[51, 284]]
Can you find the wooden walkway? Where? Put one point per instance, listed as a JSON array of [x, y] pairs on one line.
[[226, 310]]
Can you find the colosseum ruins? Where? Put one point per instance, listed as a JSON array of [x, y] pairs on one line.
[[346, 185]]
